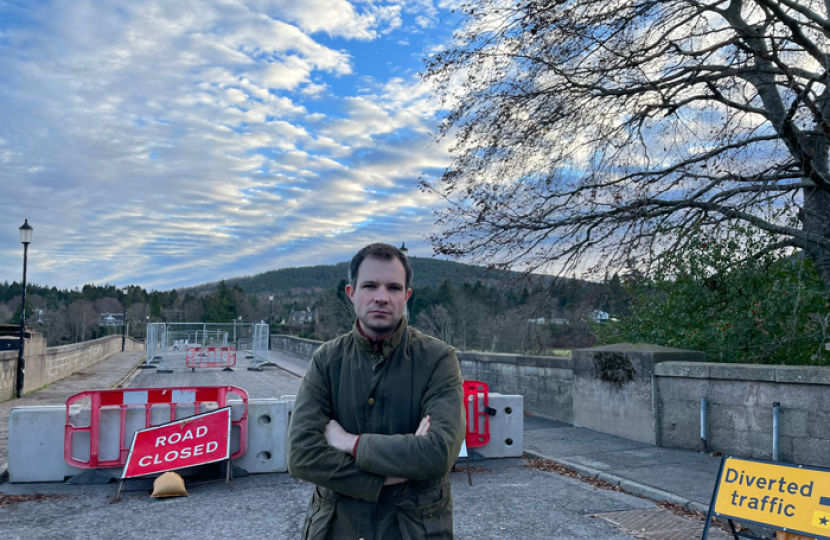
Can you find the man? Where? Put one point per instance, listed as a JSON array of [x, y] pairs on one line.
[[379, 417]]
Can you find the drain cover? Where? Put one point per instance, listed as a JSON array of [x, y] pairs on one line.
[[660, 524]]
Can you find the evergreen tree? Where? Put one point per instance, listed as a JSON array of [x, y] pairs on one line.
[[220, 306], [155, 306], [618, 298], [29, 312], [446, 294], [762, 309]]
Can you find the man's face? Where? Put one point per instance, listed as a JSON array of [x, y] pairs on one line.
[[380, 295]]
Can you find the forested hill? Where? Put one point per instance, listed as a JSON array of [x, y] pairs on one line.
[[428, 273]]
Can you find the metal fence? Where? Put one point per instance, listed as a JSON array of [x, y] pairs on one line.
[[259, 348], [166, 338], [215, 338], [154, 343]]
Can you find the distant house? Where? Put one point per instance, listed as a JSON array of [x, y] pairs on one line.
[[553, 320], [599, 316], [111, 319], [302, 319]]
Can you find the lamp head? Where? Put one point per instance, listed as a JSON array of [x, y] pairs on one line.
[[26, 233]]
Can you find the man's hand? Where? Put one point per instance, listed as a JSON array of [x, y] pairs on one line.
[[423, 427], [339, 438]]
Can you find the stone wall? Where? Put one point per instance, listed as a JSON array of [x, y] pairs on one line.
[[740, 409], [546, 382], [299, 347], [8, 369], [613, 388], [47, 365]]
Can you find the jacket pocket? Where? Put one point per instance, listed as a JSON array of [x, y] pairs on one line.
[[320, 514], [425, 514]]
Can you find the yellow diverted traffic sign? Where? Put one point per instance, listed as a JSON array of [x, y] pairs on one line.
[[786, 497]]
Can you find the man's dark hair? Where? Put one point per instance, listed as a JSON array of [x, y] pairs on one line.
[[381, 251]]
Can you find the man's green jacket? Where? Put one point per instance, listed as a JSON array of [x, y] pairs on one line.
[[381, 396]]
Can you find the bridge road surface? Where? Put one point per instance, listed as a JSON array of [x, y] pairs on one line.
[[271, 382], [508, 500]]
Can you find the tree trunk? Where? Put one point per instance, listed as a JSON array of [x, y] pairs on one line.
[[815, 218]]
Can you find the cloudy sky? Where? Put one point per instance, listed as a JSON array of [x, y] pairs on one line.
[[168, 143]]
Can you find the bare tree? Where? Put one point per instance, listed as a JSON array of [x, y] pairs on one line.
[[6, 314], [137, 318], [54, 325], [477, 324], [192, 310], [82, 318], [437, 321], [335, 313], [108, 305], [35, 302], [618, 129]]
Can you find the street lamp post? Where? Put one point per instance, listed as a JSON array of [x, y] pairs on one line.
[[270, 309], [124, 323], [234, 329], [25, 239]]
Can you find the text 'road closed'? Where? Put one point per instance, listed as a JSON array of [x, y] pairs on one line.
[[196, 440], [786, 497]]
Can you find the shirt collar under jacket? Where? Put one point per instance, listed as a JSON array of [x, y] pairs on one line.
[[383, 345]]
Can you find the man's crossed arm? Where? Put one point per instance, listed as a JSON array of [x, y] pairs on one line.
[[342, 440]]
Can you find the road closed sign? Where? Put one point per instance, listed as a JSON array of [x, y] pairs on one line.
[[786, 497], [195, 440]]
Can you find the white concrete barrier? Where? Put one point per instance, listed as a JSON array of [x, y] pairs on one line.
[[290, 399], [506, 428], [36, 436], [36, 445], [267, 437]]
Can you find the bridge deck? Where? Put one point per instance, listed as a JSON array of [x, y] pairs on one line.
[[271, 382]]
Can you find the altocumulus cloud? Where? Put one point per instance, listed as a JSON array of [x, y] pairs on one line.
[[170, 143]]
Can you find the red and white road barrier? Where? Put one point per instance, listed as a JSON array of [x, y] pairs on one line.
[[476, 406], [192, 399], [209, 357]]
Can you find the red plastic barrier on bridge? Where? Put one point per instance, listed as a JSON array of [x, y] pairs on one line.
[[224, 357], [150, 399], [476, 405]]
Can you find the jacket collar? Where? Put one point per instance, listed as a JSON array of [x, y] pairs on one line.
[[384, 346]]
